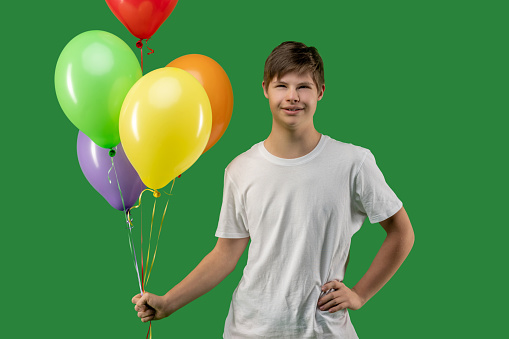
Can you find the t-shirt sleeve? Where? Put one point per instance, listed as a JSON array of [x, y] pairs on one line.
[[232, 218], [372, 196]]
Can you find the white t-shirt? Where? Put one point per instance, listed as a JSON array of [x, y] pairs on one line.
[[300, 215]]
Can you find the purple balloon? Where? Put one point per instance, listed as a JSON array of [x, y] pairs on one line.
[[95, 162]]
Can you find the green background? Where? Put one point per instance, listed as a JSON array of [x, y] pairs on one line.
[[422, 84]]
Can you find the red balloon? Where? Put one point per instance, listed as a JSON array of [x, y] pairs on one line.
[[142, 17]]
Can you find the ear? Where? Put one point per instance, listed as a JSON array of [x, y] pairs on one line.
[[320, 95], [264, 90]]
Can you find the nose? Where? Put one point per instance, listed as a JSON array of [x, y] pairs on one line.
[[292, 95]]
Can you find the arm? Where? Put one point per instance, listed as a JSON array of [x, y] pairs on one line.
[[216, 266], [392, 253]]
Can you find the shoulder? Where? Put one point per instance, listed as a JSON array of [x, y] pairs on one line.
[[244, 161], [348, 151]]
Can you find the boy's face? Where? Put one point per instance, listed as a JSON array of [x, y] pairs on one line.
[[293, 99]]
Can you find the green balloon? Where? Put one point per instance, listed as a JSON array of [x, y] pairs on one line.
[[94, 73]]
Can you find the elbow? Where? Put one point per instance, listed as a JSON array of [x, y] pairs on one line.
[[408, 239], [411, 240], [403, 238]]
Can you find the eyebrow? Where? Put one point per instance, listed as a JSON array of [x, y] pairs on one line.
[[302, 83]]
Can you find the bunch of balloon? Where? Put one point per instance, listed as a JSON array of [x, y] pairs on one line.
[[93, 74], [154, 126]]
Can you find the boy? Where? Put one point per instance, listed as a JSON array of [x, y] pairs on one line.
[[299, 196]]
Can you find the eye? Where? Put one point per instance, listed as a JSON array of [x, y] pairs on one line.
[[304, 86], [280, 85]]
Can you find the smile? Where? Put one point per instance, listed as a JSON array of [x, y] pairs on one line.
[[292, 111]]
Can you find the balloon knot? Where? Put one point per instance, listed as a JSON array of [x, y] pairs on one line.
[[112, 153], [179, 175], [139, 44], [156, 194]]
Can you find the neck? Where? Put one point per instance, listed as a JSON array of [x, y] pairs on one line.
[[291, 144]]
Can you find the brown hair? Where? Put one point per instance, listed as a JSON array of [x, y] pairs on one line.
[[291, 56]]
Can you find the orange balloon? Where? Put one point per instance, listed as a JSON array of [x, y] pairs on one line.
[[214, 80]]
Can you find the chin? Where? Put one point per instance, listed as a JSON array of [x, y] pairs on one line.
[[291, 125]]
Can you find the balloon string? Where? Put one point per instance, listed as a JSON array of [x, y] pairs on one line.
[[141, 247], [128, 214], [151, 50], [158, 235], [139, 200], [112, 153], [149, 241], [129, 231], [131, 243], [141, 232], [149, 330], [157, 243], [110, 179], [139, 44]]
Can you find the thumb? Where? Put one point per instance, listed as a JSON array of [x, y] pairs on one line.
[[135, 299], [144, 299]]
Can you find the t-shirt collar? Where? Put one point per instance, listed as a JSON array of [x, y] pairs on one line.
[[296, 161]]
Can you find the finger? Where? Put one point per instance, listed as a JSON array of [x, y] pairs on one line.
[[141, 308], [325, 299], [145, 319], [333, 284], [326, 286], [338, 307], [146, 313], [146, 308], [144, 299], [336, 284], [334, 294], [327, 302], [136, 298], [340, 299], [328, 305]]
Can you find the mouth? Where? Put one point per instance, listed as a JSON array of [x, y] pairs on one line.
[[291, 110]]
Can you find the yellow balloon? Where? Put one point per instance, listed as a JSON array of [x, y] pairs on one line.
[[165, 124]]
